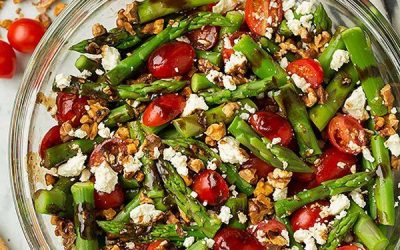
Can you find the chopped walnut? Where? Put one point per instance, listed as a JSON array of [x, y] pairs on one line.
[[109, 214], [379, 122], [249, 175], [131, 148], [196, 165], [124, 23], [131, 12], [263, 188], [205, 66], [322, 95], [387, 95], [93, 48], [305, 36], [50, 179], [65, 130], [154, 28], [310, 99], [97, 112], [44, 19], [279, 178], [5, 23], [139, 176], [391, 125], [184, 217], [58, 8], [144, 199], [186, 92], [321, 40], [122, 133], [98, 30], [395, 162], [230, 109], [152, 144], [210, 142], [144, 78], [188, 180], [216, 131], [93, 130], [65, 229], [171, 218], [43, 5], [259, 208]]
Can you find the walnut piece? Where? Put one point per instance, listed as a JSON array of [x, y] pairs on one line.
[[387, 95], [98, 30], [395, 162], [205, 66], [109, 214], [5, 23], [249, 175], [154, 28], [44, 19], [196, 165], [310, 99], [122, 133], [43, 5], [279, 178], [263, 188], [65, 229], [58, 8], [259, 208], [216, 131], [230, 109]]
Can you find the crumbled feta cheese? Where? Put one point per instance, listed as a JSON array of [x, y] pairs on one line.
[[106, 178], [132, 164], [284, 62], [103, 131], [294, 26], [341, 164], [393, 144], [63, 81], [393, 110], [156, 152], [355, 105], [193, 103], [214, 76], [367, 154], [249, 108], [305, 236], [188, 241], [85, 175], [353, 169], [339, 58], [269, 32], [358, 198], [79, 133], [225, 214], [237, 60], [193, 194], [212, 164], [183, 39], [319, 231], [244, 116], [276, 140], [209, 242], [178, 160], [228, 83], [224, 6], [285, 235], [300, 82], [242, 218], [306, 22], [306, 7], [130, 245], [86, 73], [230, 151], [280, 194], [288, 4], [111, 57], [99, 72], [145, 214], [74, 166], [338, 204]]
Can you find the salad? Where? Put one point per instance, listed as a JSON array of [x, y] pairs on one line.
[[222, 125]]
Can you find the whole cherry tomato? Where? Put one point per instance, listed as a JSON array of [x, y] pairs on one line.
[[347, 134], [24, 34], [113, 146], [235, 239], [204, 38], [263, 14], [211, 187], [309, 69], [171, 59], [50, 139], [307, 216], [70, 108], [349, 247], [112, 200], [8, 60], [163, 109], [262, 169], [267, 228], [271, 125], [334, 164]]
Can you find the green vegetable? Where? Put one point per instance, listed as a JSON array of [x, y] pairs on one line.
[[236, 205], [200, 82], [85, 63], [284, 29], [321, 20], [214, 57], [121, 114], [199, 245], [236, 18]]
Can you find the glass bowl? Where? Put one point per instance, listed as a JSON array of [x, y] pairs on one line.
[[31, 120]]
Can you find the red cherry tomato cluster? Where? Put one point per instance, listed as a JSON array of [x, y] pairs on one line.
[[23, 35], [307, 216], [211, 187], [70, 108], [163, 110]]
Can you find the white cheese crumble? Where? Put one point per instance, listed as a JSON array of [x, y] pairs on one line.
[[212, 164], [306, 237], [99, 72], [358, 198], [79, 133], [145, 214], [317, 233], [106, 178], [230, 151], [132, 165], [193, 194], [288, 4], [367, 154], [341, 164], [284, 62], [224, 6], [300, 82], [178, 160], [86, 73], [225, 214], [228, 83], [280, 194], [355, 105], [183, 39], [293, 24], [63, 81], [188, 241], [393, 144], [242, 218], [111, 57], [103, 131], [338, 203], [339, 58], [237, 60], [209, 242], [306, 7], [85, 175], [74, 166], [193, 103]]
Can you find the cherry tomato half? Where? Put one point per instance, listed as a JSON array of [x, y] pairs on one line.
[[50, 139], [171, 59], [309, 69], [263, 14], [262, 168], [347, 134], [112, 200], [349, 247], [271, 125], [70, 108], [204, 38], [211, 187], [113, 146], [235, 239], [268, 228], [334, 164], [157, 245], [8, 60], [24, 34], [163, 109], [307, 216]]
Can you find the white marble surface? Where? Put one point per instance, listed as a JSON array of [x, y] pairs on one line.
[[10, 230]]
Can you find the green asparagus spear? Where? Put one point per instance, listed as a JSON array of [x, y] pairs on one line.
[[293, 242], [338, 89], [132, 63], [275, 155], [236, 205], [321, 20], [121, 114], [246, 90], [208, 224], [200, 82], [296, 113], [57, 201], [124, 214], [174, 233], [372, 210], [199, 245], [213, 57], [326, 56], [85, 225], [263, 65], [363, 58], [128, 183], [85, 63], [345, 184], [284, 29], [236, 19]]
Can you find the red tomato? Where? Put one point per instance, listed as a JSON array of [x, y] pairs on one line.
[[307, 216], [309, 69], [8, 60], [112, 200], [262, 14], [328, 168], [156, 245], [113, 146], [70, 108], [271, 125], [163, 109], [204, 38], [349, 247], [24, 34], [235, 239], [211, 187], [50, 139], [261, 167], [304, 177], [268, 227], [347, 134], [171, 59]]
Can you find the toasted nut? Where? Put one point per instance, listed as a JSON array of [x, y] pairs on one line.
[[130, 12], [50, 179], [311, 98], [98, 30], [54, 219], [196, 165], [379, 122], [171, 218], [131, 148], [205, 66], [93, 131], [279, 178], [216, 131], [43, 5], [249, 175], [122, 133], [65, 130], [259, 208], [322, 95], [86, 119], [184, 217], [44, 19], [97, 112], [5, 23], [139, 176], [188, 180], [395, 162], [263, 188], [109, 214], [58, 8], [230, 108], [154, 28], [210, 142], [387, 95]]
